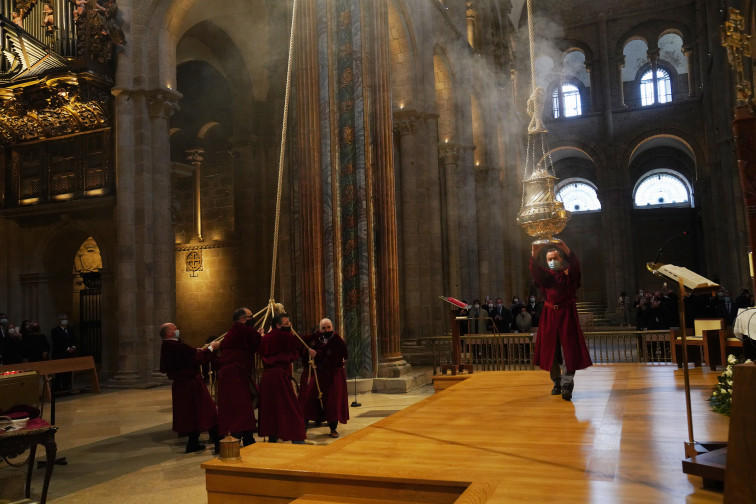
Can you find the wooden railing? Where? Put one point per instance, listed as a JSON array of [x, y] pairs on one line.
[[514, 351]]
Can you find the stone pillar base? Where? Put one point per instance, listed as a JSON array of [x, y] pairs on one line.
[[393, 369]]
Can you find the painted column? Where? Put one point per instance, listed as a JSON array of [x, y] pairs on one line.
[[308, 160], [391, 363]]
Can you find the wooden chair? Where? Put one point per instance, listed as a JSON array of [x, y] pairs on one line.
[[698, 349], [727, 342], [695, 346]]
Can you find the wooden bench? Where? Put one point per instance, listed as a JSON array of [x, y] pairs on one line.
[[49, 368]]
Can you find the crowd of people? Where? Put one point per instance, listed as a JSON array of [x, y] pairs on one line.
[[494, 316], [26, 342], [659, 309], [284, 409]]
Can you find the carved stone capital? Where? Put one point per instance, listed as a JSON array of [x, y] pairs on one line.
[[195, 156], [162, 103], [621, 61], [405, 121], [449, 153], [589, 66], [653, 55]]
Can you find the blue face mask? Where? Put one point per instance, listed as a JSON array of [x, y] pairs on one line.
[[177, 334], [727, 299], [554, 264]]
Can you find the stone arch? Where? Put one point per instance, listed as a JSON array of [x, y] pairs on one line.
[[404, 64], [62, 240], [575, 149], [205, 41], [445, 96], [646, 151], [651, 31]]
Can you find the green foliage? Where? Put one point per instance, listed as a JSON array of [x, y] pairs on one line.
[[721, 397]]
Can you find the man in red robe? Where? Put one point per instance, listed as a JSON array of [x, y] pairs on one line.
[[193, 408], [236, 412], [280, 411], [560, 346], [329, 362]]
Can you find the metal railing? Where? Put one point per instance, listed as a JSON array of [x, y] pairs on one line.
[[514, 351]]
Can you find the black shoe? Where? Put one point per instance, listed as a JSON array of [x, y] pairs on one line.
[[567, 391], [557, 389], [194, 448]]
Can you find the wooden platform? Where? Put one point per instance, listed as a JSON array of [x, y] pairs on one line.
[[499, 437]]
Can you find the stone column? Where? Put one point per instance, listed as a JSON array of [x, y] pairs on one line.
[[653, 57], [387, 281], [196, 157], [449, 156], [308, 161], [413, 209], [690, 56], [144, 251], [620, 88], [159, 241], [592, 81]]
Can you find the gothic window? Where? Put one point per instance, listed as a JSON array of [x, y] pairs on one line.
[[663, 188], [569, 105], [661, 82], [578, 195]]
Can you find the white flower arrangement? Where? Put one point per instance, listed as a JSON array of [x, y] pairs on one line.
[[721, 396]]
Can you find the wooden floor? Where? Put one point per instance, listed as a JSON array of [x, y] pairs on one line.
[[501, 437]]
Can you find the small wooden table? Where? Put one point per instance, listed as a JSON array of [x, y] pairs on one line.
[[14, 443]]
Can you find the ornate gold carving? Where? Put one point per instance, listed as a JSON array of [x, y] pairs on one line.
[[97, 29], [738, 45], [194, 262], [58, 106]]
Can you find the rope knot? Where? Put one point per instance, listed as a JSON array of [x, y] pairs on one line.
[[535, 111]]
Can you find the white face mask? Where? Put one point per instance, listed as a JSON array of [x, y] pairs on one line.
[[11, 331], [64, 322], [476, 306], [554, 264], [176, 334]]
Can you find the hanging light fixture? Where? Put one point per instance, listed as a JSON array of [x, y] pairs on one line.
[[541, 215]]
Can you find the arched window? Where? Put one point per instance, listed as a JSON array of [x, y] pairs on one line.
[[578, 195], [570, 104], [663, 187], [659, 82]]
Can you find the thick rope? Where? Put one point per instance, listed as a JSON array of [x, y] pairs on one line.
[[538, 94], [283, 150]]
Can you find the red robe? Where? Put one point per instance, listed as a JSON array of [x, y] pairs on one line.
[[560, 325], [236, 413], [280, 411], [329, 362], [193, 408]]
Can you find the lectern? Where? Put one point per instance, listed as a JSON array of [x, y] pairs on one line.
[[695, 284]]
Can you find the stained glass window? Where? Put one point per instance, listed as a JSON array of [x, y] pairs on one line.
[[578, 196], [663, 188]]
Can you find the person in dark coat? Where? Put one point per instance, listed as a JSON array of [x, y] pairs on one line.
[[36, 346], [236, 410], [333, 406], [560, 345], [12, 346], [63, 347], [280, 411], [193, 408]]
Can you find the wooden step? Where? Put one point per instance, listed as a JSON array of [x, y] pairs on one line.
[[336, 499]]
